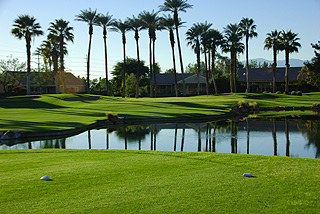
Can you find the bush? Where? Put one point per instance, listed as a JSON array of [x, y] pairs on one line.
[[299, 93], [265, 92], [278, 92], [293, 93]]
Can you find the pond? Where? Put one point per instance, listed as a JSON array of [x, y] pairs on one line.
[[285, 136]]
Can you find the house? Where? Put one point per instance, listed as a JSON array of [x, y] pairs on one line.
[[42, 83], [261, 79], [166, 84]]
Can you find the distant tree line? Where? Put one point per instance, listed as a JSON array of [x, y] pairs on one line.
[[204, 41]]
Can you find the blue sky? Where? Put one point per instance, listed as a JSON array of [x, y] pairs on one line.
[[301, 17]]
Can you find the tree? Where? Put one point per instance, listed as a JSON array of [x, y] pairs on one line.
[[168, 23], [131, 68], [194, 37], [61, 30], [7, 77], [176, 6], [90, 17], [312, 69], [135, 24], [233, 45], [122, 27], [26, 27], [205, 47], [273, 41], [290, 44], [214, 39], [151, 21], [105, 21], [247, 28]]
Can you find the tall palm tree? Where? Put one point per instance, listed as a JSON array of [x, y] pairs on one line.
[[273, 41], [194, 38], [151, 21], [168, 23], [247, 28], [105, 21], [215, 39], [122, 27], [26, 27], [233, 45], [290, 44], [62, 31], [176, 6], [90, 17], [135, 24], [205, 46]]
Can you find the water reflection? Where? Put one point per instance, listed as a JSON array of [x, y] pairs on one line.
[[272, 136]]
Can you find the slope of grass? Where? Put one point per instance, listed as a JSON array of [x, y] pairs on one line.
[[52, 112], [97, 181]]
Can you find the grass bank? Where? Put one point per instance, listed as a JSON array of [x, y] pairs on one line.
[[97, 181], [63, 111]]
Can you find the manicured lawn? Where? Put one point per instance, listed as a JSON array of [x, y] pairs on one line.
[[100, 181], [52, 112]]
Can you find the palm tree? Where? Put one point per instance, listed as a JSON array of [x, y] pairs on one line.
[[135, 24], [205, 46], [194, 37], [247, 29], [273, 41], [61, 30], [168, 23], [290, 44], [176, 6], [26, 27], [233, 45], [89, 17], [105, 21], [122, 27], [151, 21], [215, 39]]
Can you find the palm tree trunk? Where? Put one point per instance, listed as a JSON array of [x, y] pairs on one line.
[[231, 72], [198, 66], [287, 71], [174, 63], [274, 68], [106, 58], [28, 46], [62, 65], [150, 61], [124, 66], [214, 70], [154, 66], [176, 22], [247, 64], [88, 61], [138, 66], [206, 67]]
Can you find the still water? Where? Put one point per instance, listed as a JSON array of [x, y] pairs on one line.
[[297, 137]]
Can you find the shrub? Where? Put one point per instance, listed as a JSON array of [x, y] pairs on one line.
[[111, 115], [299, 93], [293, 93], [265, 92], [278, 92]]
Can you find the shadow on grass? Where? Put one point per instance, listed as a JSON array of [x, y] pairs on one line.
[[34, 104], [36, 126]]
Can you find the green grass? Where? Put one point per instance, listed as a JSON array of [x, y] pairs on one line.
[[51, 112], [100, 181]]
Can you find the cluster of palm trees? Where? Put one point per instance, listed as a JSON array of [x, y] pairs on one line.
[[53, 49], [200, 37], [145, 20], [282, 41]]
